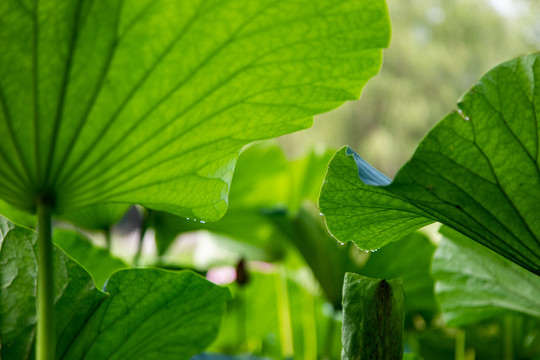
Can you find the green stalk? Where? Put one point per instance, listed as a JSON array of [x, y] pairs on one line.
[[460, 345], [508, 346], [284, 315], [45, 343]]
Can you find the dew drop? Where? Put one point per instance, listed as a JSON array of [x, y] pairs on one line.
[[187, 218], [463, 116], [203, 222], [321, 214]]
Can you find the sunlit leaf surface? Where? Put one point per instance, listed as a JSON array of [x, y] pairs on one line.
[[477, 171], [150, 102]]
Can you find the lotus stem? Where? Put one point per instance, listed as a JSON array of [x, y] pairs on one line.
[[45, 338]]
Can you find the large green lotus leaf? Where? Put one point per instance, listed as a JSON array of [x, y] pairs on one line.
[[156, 314], [97, 261], [474, 283], [372, 318], [477, 171], [152, 314], [150, 102]]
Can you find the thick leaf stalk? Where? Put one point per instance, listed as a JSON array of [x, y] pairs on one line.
[[45, 343]]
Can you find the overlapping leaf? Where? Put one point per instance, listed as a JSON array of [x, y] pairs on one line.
[[477, 172], [153, 314], [150, 101], [473, 283]]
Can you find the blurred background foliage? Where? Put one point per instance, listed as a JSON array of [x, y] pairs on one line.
[[272, 248]]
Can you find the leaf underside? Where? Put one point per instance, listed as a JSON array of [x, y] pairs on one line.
[[477, 171], [150, 102], [473, 283]]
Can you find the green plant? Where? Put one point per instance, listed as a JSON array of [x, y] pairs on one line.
[[266, 223], [477, 171], [107, 104]]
